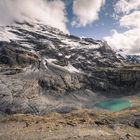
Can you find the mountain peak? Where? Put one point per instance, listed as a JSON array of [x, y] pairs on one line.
[[41, 66]]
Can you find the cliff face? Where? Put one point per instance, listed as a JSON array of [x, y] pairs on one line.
[[118, 81], [44, 70]]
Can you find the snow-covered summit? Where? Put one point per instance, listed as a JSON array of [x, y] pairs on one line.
[[47, 42]]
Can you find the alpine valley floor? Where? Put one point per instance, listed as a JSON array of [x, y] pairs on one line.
[[77, 125]]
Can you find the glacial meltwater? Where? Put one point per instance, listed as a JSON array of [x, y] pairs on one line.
[[114, 105]]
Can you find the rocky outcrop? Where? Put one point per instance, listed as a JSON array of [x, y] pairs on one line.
[[137, 123], [11, 55]]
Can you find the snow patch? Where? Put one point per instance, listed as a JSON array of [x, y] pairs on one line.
[[121, 53], [67, 56], [72, 69], [51, 60], [91, 46], [69, 67], [70, 43], [80, 57], [6, 35], [97, 54]]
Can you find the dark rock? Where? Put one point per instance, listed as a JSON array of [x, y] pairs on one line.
[[128, 136], [137, 123], [12, 56]]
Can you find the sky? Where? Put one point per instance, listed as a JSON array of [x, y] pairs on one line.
[[116, 21], [97, 28]]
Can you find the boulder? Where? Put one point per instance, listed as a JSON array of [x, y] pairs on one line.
[[137, 123]]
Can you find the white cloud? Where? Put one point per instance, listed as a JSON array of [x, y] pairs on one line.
[[129, 40], [131, 20], [48, 12], [86, 11], [125, 6]]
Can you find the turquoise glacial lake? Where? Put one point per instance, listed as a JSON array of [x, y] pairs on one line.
[[114, 105]]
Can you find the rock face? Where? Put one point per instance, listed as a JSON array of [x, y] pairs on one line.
[[11, 56], [43, 70]]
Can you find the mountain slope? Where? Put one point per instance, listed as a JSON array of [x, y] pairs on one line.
[[132, 59], [44, 70]]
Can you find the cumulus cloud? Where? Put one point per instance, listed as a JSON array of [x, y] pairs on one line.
[[129, 40], [46, 11], [131, 21], [125, 6], [86, 11]]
